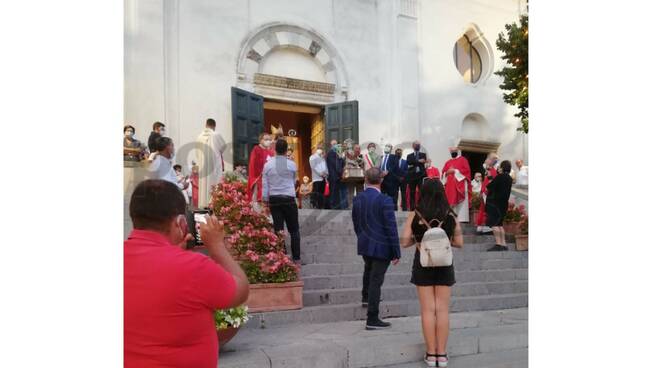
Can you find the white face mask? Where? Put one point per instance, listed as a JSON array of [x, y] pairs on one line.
[[319, 152], [388, 149], [372, 149], [163, 132], [267, 143], [128, 134]]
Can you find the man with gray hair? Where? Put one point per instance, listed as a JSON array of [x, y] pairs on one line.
[[377, 242]]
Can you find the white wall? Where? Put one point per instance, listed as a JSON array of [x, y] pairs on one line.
[[446, 99], [181, 60]]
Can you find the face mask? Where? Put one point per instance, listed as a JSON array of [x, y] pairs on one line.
[[163, 132], [427, 165], [416, 147], [454, 154], [388, 149], [267, 143], [372, 149], [494, 162], [319, 152], [129, 134]]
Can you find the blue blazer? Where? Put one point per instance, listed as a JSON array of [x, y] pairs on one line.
[[375, 225], [392, 167]]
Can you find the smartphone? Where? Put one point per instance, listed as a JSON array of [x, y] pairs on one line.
[[195, 218]]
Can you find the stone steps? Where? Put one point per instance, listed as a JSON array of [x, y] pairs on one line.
[[477, 339], [317, 265], [332, 275], [354, 280], [406, 292], [398, 308]]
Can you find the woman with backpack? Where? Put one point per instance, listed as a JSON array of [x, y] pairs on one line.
[[433, 229]]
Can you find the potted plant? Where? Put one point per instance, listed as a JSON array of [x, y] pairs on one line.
[[522, 241], [228, 322], [512, 219], [260, 250]]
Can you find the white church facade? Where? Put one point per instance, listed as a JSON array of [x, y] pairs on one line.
[[383, 71]]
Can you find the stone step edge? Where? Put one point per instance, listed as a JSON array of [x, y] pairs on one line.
[[358, 289], [392, 302], [399, 273]]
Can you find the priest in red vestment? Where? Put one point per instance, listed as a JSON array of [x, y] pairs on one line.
[[258, 157], [491, 172], [458, 184]]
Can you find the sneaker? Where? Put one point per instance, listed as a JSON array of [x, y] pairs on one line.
[[497, 248], [378, 325]]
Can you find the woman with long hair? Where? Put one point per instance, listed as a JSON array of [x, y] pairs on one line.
[[433, 283]]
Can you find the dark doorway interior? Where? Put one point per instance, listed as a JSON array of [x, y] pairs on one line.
[[476, 160], [300, 126]]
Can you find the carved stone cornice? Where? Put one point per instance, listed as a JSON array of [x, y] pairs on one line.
[[292, 83]]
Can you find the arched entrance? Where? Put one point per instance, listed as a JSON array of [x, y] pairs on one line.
[[292, 77]]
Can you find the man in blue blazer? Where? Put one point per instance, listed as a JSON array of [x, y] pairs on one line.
[[335, 164], [389, 166], [378, 242], [401, 176]]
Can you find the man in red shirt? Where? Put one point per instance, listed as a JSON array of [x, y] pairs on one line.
[[170, 294]]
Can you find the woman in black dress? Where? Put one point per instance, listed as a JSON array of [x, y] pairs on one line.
[[433, 283], [497, 203]]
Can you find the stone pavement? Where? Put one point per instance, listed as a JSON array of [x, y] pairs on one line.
[[493, 339]]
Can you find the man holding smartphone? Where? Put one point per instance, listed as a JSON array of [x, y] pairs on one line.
[[170, 294]]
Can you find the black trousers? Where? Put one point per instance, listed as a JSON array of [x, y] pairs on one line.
[[317, 198], [284, 209], [391, 189], [372, 280], [402, 187], [412, 185]]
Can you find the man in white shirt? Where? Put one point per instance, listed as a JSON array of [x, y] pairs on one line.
[[319, 173], [162, 165], [279, 194], [521, 178], [209, 158]]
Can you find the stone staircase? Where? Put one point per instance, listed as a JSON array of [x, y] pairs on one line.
[[332, 275]]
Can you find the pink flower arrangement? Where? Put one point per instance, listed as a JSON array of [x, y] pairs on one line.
[[515, 213], [250, 236]]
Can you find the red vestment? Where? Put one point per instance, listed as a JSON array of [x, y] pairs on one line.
[[258, 158], [194, 181], [432, 172], [481, 216], [454, 189]]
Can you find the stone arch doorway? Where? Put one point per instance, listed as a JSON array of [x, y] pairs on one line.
[[291, 62], [292, 77]]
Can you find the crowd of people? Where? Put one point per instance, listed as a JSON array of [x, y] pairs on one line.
[[188, 286]]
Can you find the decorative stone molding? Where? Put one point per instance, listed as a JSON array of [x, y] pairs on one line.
[[272, 36], [478, 146], [292, 83], [254, 56]]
